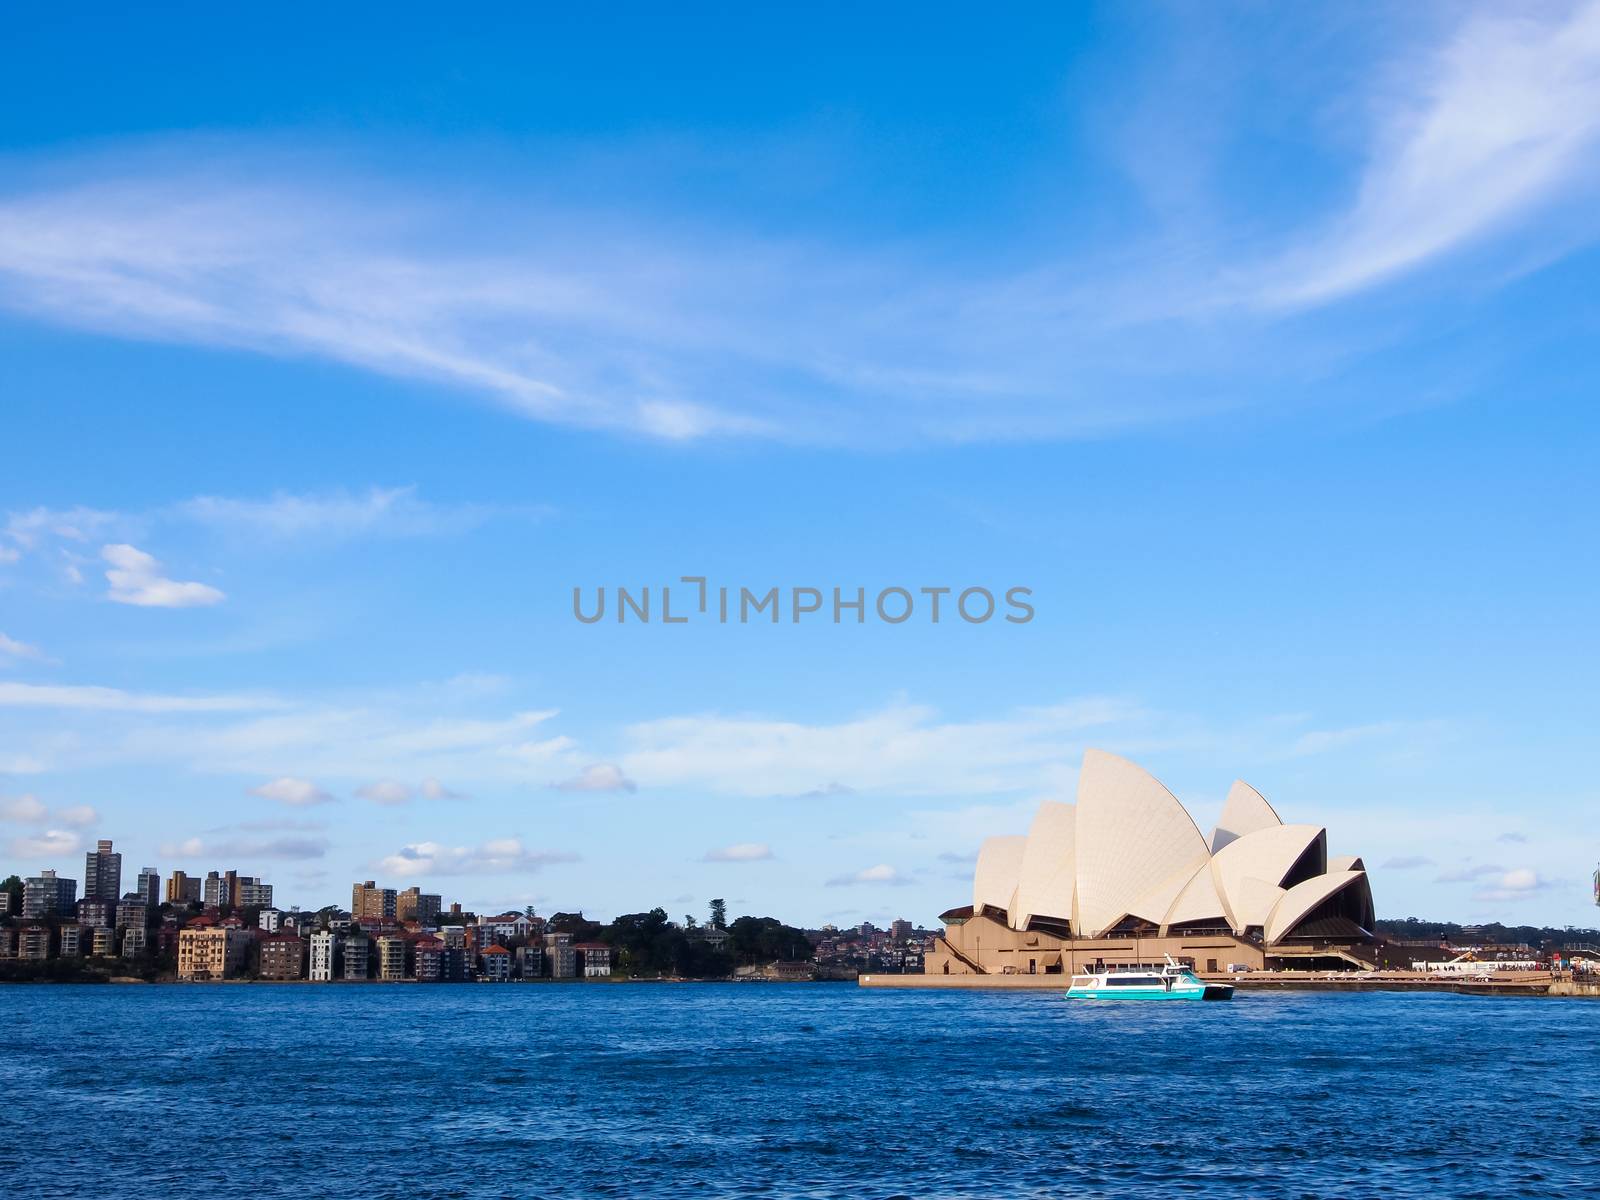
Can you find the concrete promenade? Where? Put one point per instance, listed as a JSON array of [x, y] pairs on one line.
[[1502, 983]]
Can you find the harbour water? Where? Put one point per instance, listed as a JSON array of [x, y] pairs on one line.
[[714, 1090]]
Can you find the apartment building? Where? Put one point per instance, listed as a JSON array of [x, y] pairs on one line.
[[325, 956], [99, 914], [530, 961], [561, 956], [131, 912], [391, 957], [357, 954], [71, 936], [44, 895], [427, 955], [252, 893], [33, 943], [283, 956], [182, 889], [496, 962], [217, 952], [149, 887], [414, 904], [369, 902], [102, 941], [134, 940], [594, 959], [102, 873]]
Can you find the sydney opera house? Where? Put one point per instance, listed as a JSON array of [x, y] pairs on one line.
[[1125, 876]]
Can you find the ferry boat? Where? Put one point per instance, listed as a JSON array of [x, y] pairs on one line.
[[1173, 982]]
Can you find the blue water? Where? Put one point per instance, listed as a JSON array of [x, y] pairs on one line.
[[743, 1090]]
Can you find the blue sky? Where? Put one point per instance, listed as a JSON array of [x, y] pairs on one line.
[[334, 354]]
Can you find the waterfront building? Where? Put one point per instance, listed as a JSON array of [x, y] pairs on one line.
[[133, 941], [33, 943], [270, 920], [496, 964], [211, 952], [530, 961], [1124, 876], [283, 956], [454, 936], [453, 965], [391, 957], [71, 935], [8, 942], [594, 959], [560, 955], [427, 955], [102, 873], [357, 953], [149, 887], [369, 902], [102, 941], [44, 895], [131, 911], [182, 889], [98, 913], [325, 956]]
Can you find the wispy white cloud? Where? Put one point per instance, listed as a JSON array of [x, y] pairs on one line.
[[1501, 117], [1522, 883], [882, 875], [22, 808], [297, 793], [497, 856], [432, 789], [739, 852], [285, 848], [52, 843], [89, 698], [388, 792], [285, 516], [135, 578], [597, 777], [1407, 862], [27, 529], [14, 650], [903, 749]]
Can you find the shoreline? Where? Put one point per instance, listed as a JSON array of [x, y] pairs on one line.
[[1521, 983]]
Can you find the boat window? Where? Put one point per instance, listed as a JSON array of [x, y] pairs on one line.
[[1128, 981]]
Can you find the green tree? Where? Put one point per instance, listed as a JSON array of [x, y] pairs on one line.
[[719, 914], [13, 884], [767, 939]]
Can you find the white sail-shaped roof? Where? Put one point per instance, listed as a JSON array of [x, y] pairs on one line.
[[1197, 902], [994, 883], [1245, 811], [1136, 845], [1044, 888], [1299, 900], [1346, 862], [1251, 871]]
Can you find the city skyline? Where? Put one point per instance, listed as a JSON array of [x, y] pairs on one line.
[[1253, 350]]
